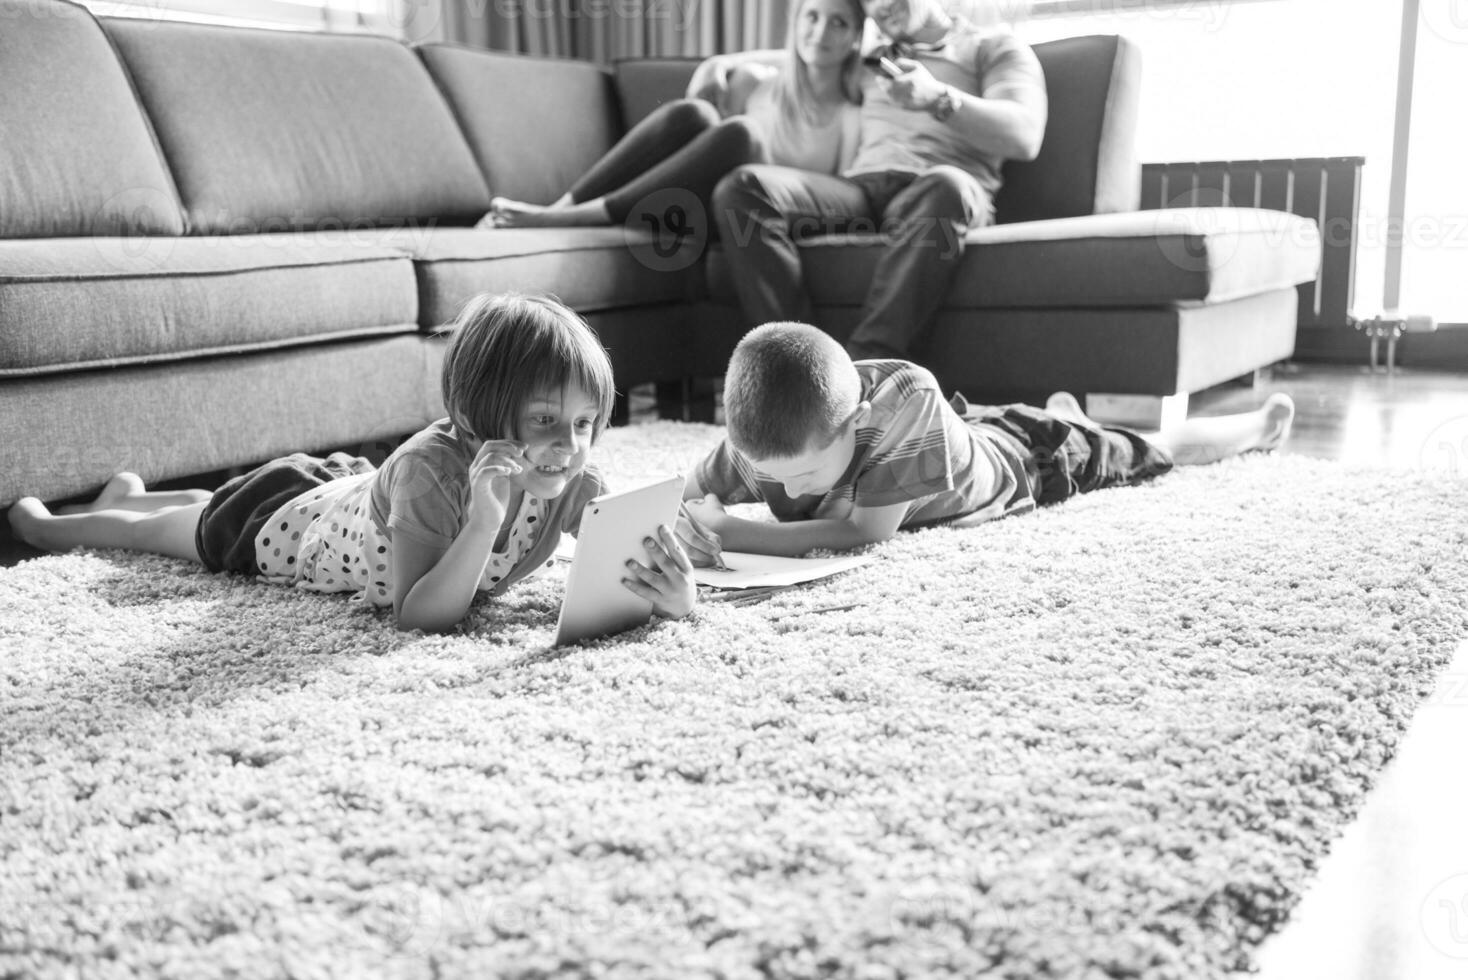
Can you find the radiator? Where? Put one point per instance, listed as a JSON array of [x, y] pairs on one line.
[[1326, 189]]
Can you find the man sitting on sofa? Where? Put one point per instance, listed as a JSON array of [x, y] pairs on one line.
[[944, 107]]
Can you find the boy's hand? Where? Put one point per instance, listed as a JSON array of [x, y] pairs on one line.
[[702, 544], [489, 484], [707, 510], [668, 582]]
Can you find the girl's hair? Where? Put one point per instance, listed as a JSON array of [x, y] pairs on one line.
[[793, 94], [507, 346]]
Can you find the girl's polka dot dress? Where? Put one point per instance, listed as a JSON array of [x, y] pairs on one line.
[[326, 541]]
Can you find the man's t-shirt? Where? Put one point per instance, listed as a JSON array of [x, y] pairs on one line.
[[989, 65], [914, 449]]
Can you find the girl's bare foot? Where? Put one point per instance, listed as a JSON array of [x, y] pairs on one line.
[[28, 519], [505, 213], [126, 491], [1063, 405], [114, 495], [1279, 415]]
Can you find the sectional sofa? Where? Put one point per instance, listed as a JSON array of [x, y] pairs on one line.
[[221, 244]]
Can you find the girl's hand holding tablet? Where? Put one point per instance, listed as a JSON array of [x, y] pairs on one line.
[[667, 581]]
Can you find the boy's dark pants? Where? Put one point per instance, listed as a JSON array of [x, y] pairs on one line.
[[1066, 457]]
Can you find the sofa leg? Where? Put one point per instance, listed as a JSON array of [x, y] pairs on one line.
[[702, 400], [1254, 378], [1146, 412], [672, 399]]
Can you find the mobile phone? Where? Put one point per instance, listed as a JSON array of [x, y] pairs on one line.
[[883, 64]]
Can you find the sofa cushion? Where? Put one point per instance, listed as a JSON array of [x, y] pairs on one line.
[[67, 303], [589, 269], [67, 433], [643, 84], [76, 154], [536, 124], [282, 130], [1140, 258], [1087, 162]]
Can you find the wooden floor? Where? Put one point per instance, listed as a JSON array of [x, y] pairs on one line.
[[1409, 419], [1391, 900]]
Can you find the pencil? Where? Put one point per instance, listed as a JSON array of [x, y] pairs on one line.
[[820, 609]]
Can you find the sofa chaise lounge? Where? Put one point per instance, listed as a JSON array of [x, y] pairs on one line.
[[220, 244]]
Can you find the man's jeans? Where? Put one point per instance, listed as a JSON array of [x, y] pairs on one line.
[[762, 211]]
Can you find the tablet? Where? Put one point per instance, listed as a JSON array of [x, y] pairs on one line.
[[613, 527]]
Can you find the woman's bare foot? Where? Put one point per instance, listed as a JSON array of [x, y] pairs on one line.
[[505, 213], [28, 519], [1063, 405], [114, 495], [1279, 415]]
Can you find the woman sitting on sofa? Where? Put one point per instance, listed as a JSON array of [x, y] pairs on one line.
[[802, 113]]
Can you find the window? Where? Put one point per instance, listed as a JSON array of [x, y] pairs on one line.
[[1257, 80], [374, 16]]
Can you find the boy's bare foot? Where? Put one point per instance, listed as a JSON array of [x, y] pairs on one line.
[[1063, 405], [114, 495], [28, 518], [505, 213], [1279, 415]]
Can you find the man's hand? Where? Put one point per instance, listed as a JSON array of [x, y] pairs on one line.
[[915, 89], [668, 580], [489, 484]]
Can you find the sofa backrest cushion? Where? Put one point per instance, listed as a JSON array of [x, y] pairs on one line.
[[1087, 163], [643, 84], [536, 124], [76, 155], [282, 130]]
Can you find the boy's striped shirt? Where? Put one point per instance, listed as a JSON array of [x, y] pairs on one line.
[[914, 449]]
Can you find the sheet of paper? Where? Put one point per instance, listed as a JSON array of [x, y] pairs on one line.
[[747, 571]]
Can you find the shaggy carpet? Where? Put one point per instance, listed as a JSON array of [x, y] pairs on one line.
[[1111, 739]]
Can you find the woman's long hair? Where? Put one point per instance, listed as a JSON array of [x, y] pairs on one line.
[[793, 93]]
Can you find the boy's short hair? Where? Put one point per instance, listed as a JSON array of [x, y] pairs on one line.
[[506, 346], [788, 386]]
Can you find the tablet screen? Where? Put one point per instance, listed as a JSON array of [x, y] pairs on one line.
[[613, 527]]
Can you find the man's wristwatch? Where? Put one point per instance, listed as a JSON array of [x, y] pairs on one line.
[[945, 105]]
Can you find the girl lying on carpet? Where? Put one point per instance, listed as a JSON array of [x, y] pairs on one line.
[[461, 506]]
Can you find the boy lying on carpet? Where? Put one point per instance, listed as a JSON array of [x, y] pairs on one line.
[[462, 506], [848, 453]]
